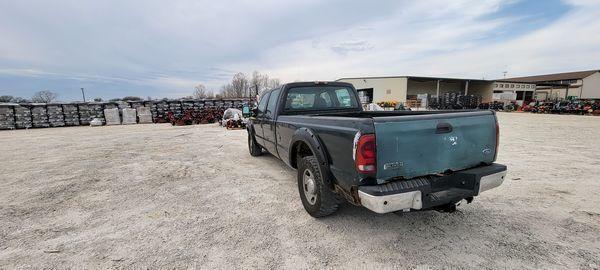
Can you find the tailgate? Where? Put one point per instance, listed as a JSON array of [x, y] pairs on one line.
[[417, 145]]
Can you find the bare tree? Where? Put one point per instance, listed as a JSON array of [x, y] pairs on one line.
[[272, 83], [19, 100], [200, 91], [257, 83], [240, 85], [261, 82], [44, 96], [227, 91], [6, 98]]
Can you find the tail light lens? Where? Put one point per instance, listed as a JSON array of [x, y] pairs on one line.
[[366, 154], [497, 140]]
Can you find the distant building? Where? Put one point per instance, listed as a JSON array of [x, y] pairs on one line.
[[505, 90], [580, 84], [401, 88]]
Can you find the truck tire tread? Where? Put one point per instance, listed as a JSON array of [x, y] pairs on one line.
[[253, 147], [327, 202]]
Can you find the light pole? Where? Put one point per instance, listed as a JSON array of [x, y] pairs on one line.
[[83, 94]]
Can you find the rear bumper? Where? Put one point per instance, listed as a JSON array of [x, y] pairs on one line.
[[428, 192]]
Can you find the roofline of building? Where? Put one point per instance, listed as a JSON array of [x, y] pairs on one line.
[[503, 80], [413, 77], [590, 71], [371, 77]]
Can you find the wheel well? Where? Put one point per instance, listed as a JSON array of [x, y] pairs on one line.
[[299, 150]]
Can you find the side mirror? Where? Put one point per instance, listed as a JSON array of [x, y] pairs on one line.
[[246, 111], [249, 112]]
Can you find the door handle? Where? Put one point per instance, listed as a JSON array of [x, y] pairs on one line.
[[443, 128]]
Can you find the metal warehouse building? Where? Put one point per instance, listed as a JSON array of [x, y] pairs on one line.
[[399, 88], [580, 84]]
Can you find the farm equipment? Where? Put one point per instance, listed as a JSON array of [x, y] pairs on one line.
[[192, 117]]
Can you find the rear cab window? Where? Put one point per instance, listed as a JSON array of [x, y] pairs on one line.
[[319, 98]]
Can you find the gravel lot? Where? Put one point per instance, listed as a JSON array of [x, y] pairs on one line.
[[173, 197]]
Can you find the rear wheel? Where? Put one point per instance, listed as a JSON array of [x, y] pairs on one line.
[[318, 200], [253, 147]]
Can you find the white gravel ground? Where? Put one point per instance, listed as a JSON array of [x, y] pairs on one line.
[[157, 196]]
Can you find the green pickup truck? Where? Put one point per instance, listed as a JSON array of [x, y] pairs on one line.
[[385, 161]]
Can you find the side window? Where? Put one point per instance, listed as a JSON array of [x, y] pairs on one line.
[[262, 106], [271, 107]]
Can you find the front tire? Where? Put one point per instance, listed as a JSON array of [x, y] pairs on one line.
[[318, 200], [253, 147]]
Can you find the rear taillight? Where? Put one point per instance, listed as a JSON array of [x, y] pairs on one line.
[[497, 140], [366, 154]]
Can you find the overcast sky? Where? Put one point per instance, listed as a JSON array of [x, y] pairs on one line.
[[115, 48]]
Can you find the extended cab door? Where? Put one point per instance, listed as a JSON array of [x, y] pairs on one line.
[[260, 118], [269, 123]]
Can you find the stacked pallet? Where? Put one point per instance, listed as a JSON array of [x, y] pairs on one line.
[[144, 115], [470, 101], [39, 116], [136, 104], [110, 105], [84, 114], [96, 111], [151, 108], [129, 116], [122, 105], [153, 111], [71, 114], [455, 101], [7, 117], [413, 103], [175, 108], [198, 105], [112, 116], [161, 111], [22, 117], [55, 115], [187, 105]]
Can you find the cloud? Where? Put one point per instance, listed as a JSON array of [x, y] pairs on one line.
[[351, 46], [167, 48]]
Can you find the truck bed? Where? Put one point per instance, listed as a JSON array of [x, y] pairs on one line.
[[419, 143]]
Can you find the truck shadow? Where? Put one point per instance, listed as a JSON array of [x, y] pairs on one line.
[[469, 221], [420, 232]]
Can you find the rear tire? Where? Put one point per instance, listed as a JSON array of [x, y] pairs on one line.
[[318, 200], [253, 147]]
